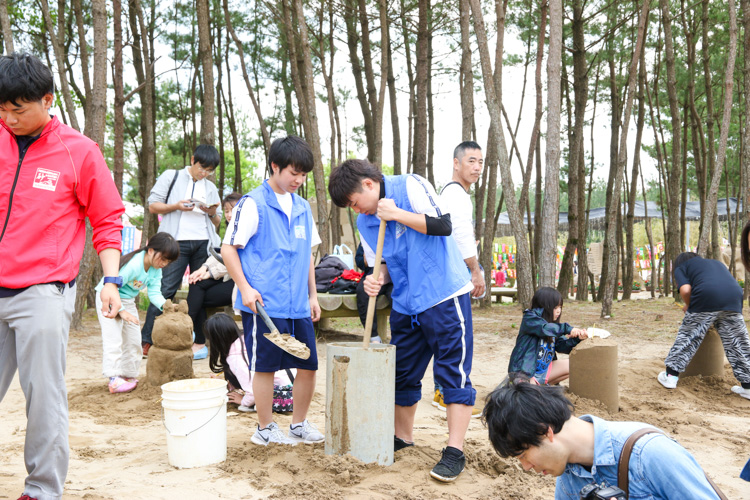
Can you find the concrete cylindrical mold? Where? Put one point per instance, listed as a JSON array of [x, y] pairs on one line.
[[593, 371], [360, 398], [709, 358]]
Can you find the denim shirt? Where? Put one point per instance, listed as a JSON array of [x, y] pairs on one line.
[[659, 467]]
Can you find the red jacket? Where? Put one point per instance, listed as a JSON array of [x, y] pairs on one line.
[[44, 200]]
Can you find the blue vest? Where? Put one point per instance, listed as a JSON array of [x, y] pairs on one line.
[[425, 270], [276, 260]]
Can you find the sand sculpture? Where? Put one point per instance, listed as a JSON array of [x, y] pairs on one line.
[[171, 356], [709, 358], [593, 371]]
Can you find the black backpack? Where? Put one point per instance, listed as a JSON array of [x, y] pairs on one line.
[[329, 268]]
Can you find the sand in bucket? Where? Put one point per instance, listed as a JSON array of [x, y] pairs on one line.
[[195, 419]]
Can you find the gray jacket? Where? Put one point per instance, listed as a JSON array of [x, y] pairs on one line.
[[170, 222]]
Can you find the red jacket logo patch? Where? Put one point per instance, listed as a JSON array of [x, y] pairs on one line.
[[46, 179]]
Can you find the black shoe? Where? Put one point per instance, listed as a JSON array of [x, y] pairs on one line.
[[450, 466], [400, 444]]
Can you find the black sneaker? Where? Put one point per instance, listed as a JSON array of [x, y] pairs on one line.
[[400, 444], [450, 466]]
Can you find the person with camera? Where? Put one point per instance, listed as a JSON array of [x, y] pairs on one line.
[[535, 424], [187, 201]]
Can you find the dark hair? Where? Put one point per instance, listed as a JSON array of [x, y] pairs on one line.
[[519, 414], [221, 332], [682, 258], [290, 150], [547, 298], [347, 178], [24, 77], [162, 243], [233, 197], [458, 153], [207, 156], [745, 246]]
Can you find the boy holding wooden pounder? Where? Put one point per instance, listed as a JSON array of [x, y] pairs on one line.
[[267, 252], [431, 312]]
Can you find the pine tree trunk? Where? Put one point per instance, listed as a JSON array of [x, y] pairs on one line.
[[713, 192], [466, 79], [208, 104], [523, 257], [614, 207], [119, 113], [420, 128], [5, 27], [551, 203], [576, 180]]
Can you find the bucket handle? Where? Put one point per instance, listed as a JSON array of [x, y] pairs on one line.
[[164, 423]]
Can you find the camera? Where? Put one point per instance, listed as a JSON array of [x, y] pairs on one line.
[[595, 491], [188, 205]]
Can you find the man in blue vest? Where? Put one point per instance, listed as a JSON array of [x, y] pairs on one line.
[[268, 253], [431, 312]]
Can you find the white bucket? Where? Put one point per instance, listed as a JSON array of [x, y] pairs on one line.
[[195, 417]]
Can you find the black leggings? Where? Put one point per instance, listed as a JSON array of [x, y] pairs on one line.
[[203, 294]]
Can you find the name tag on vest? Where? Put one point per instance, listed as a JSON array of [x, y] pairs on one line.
[[299, 232]]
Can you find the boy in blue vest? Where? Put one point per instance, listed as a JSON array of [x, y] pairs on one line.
[[431, 312], [267, 251]]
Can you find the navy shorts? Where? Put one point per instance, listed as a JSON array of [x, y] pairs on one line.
[[445, 332], [265, 357]]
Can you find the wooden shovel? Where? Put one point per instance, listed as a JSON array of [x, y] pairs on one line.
[[376, 274], [283, 341]]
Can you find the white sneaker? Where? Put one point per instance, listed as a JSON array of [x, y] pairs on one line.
[[668, 381], [246, 409], [738, 389], [305, 432], [270, 434]]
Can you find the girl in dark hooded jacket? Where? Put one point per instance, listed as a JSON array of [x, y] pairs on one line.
[[541, 337]]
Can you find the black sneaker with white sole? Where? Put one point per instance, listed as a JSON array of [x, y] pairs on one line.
[[400, 444], [450, 465]]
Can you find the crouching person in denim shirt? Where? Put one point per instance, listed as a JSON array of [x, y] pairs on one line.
[[536, 425]]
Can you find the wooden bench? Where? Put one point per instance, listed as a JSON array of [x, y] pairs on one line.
[[501, 292], [331, 306], [345, 306]]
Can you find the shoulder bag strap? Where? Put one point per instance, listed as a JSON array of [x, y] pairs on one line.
[[622, 466], [171, 185], [290, 374], [451, 182]]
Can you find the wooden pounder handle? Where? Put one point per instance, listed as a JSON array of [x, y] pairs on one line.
[[376, 274]]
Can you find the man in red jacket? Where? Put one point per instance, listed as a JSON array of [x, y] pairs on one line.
[[51, 179]]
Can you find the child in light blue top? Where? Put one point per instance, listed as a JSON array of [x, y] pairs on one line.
[[121, 336]]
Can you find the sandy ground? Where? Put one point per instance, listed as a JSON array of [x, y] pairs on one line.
[[118, 444]]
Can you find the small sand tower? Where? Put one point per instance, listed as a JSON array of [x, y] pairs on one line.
[[709, 358], [171, 356], [593, 371]]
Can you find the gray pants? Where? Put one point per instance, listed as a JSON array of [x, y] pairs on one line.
[[34, 329], [730, 327]]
